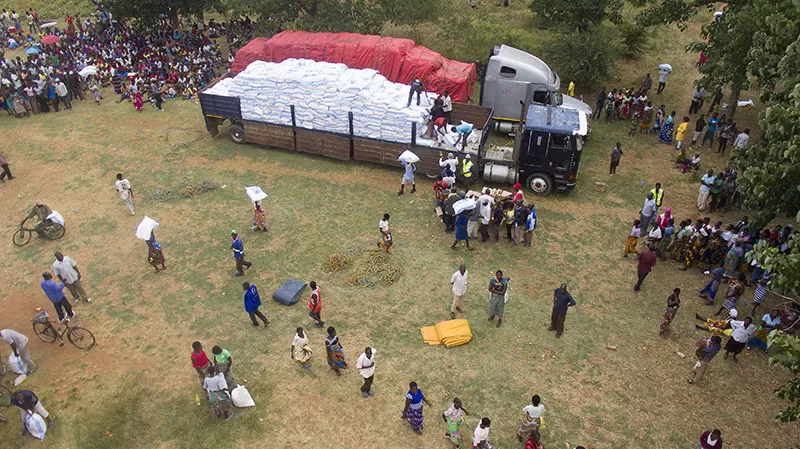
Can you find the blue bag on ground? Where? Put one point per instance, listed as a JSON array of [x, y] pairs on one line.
[[289, 292]]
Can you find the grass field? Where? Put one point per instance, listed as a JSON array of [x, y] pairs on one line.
[[136, 388]]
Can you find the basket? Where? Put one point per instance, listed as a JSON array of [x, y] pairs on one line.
[[40, 317]]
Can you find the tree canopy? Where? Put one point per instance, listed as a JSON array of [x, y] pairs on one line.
[[788, 356], [578, 15]]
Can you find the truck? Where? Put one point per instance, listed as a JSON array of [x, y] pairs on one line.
[[548, 134], [513, 76]]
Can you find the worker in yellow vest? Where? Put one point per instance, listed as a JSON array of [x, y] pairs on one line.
[[468, 170], [658, 195]]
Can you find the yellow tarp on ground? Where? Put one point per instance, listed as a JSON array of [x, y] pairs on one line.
[[449, 333]]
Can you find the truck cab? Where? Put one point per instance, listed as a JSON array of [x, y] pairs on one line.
[[513, 76], [548, 147]]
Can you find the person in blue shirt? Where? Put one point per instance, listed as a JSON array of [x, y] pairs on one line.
[[463, 130], [55, 293], [461, 230], [713, 121], [252, 302], [238, 253], [408, 177], [29, 403]]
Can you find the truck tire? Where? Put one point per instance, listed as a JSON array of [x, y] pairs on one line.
[[540, 184], [236, 133]]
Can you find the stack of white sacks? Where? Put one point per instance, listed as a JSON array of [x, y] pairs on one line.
[[322, 94]]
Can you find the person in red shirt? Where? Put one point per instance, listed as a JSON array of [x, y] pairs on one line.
[[315, 304], [200, 361], [647, 260]]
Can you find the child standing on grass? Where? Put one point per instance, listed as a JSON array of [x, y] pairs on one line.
[[634, 123], [633, 239]]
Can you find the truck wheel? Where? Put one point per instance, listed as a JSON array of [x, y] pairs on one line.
[[540, 183], [236, 133]]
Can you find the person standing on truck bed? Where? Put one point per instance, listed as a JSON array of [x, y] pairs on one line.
[[463, 130], [416, 87], [447, 106], [408, 177]]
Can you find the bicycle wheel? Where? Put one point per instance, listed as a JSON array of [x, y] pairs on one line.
[[80, 337], [54, 231], [22, 237], [44, 331], [5, 395]]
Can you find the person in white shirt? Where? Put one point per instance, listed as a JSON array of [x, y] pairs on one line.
[[743, 331], [123, 186], [218, 395], [67, 271], [385, 241], [459, 282], [447, 107], [366, 368], [532, 418], [451, 162], [19, 345], [742, 139], [480, 439]]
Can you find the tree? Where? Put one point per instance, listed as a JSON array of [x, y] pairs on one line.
[[726, 40], [785, 267], [788, 356], [583, 57], [580, 15], [147, 12], [362, 16], [770, 171]]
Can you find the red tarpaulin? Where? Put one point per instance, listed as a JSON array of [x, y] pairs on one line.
[[399, 60]]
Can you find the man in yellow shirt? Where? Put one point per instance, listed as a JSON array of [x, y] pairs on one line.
[[680, 134]]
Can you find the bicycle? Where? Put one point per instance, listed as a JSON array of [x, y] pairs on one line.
[[50, 230], [80, 337]]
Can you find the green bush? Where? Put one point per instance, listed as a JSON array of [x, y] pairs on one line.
[[633, 39], [584, 57]]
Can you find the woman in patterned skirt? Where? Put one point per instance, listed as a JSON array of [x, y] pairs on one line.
[[335, 353], [413, 409]]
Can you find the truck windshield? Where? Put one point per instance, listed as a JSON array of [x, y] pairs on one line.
[[559, 142]]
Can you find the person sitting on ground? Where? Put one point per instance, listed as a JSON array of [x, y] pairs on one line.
[[715, 326]]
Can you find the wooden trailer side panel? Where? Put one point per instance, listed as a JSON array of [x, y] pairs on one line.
[[323, 144], [269, 135]]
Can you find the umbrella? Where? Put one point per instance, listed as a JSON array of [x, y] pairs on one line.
[[127, 74], [50, 39], [47, 25], [32, 51], [666, 67], [88, 70]]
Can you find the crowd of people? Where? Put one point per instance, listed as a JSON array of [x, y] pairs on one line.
[[635, 106], [159, 63]]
